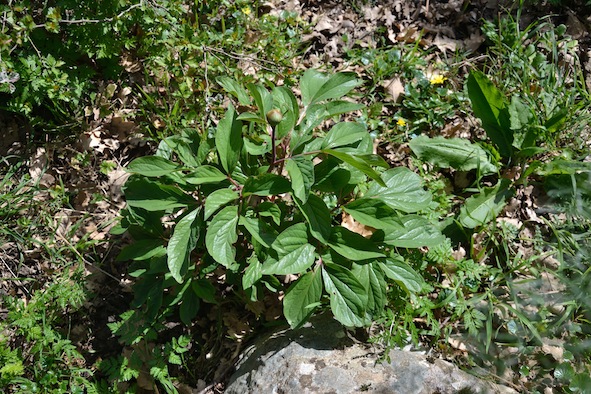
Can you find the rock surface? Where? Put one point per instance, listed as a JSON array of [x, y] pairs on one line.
[[321, 358]]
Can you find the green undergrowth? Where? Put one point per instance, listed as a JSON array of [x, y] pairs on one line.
[[265, 202]]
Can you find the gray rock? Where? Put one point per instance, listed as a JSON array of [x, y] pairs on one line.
[[321, 358]]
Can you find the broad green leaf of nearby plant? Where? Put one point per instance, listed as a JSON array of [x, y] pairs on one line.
[[301, 172], [290, 239], [352, 245], [152, 166], [317, 87], [228, 140], [259, 230], [179, 245], [403, 190], [373, 212], [402, 273], [253, 273], [221, 236], [234, 88], [265, 185], [372, 279], [217, 199], [318, 217], [343, 134], [143, 249], [153, 196], [413, 232], [302, 298], [205, 174], [295, 262], [458, 153], [361, 162], [480, 209], [490, 106], [348, 298]]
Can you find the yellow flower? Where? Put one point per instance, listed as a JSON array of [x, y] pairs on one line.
[[246, 10], [401, 122], [437, 79]]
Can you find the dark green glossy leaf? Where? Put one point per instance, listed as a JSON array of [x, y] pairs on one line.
[[485, 206], [301, 172], [414, 232], [217, 199], [234, 88], [373, 212], [178, 249], [294, 262], [372, 278], [352, 245], [228, 140], [318, 217], [152, 166], [205, 174], [266, 185], [357, 161], [142, 249], [402, 273], [154, 196], [403, 190], [343, 134]]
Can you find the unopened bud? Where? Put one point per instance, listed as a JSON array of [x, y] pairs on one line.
[[274, 117]]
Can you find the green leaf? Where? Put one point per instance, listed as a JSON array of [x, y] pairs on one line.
[[372, 212], [152, 166], [357, 161], [262, 99], [301, 172], [221, 236], [485, 206], [348, 297], [343, 134], [204, 290], [235, 89], [416, 232], [556, 122], [352, 245], [491, 107], [299, 301], [271, 210], [318, 217], [178, 249], [294, 262], [205, 174], [228, 140], [285, 101], [316, 87], [154, 196], [290, 239], [185, 148], [262, 232], [402, 273], [372, 279], [253, 273], [142, 249], [458, 153], [266, 185], [403, 190], [520, 115], [217, 199], [189, 307]]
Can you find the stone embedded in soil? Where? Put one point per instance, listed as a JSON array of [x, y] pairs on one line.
[[321, 358]]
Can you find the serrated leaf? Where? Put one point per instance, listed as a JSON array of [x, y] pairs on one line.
[[178, 249], [415, 232], [352, 245], [221, 236], [372, 212], [152, 166], [372, 279], [357, 161], [300, 298], [234, 88], [294, 262], [228, 140], [343, 134], [154, 196], [402, 273], [490, 106], [318, 217], [480, 209], [348, 297], [266, 185], [403, 190], [143, 249], [301, 173], [217, 199], [205, 174], [458, 153]]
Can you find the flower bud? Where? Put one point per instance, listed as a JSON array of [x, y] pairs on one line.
[[274, 117]]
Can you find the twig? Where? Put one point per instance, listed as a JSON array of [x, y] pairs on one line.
[[88, 21]]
